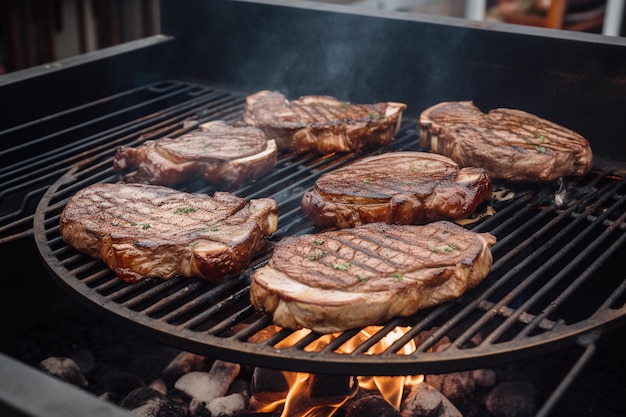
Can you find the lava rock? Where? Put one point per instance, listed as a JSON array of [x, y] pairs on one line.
[[65, 369]]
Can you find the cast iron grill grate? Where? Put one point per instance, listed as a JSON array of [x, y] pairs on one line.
[[35, 154], [552, 281]]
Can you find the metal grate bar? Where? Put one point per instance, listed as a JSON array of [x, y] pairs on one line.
[[25, 179], [556, 238], [505, 310]]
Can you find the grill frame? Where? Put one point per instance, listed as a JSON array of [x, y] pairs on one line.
[[136, 306]]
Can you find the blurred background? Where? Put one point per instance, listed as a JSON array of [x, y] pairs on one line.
[[37, 32]]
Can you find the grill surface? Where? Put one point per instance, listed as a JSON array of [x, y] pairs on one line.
[[552, 282]]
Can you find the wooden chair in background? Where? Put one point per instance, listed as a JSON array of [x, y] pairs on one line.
[[577, 15]]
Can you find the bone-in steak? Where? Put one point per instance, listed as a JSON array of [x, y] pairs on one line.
[[396, 188], [142, 230], [220, 153], [509, 144], [348, 278], [322, 124]]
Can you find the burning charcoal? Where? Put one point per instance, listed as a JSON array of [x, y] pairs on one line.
[[183, 363], [65, 369], [159, 386], [512, 399], [371, 406], [307, 393], [229, 405], [426, 401], [240, 386], [323, 386], [458, 387], [269, 385], [485, 378], [204, 387], [146, 402]]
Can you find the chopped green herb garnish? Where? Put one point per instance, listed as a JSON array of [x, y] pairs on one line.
[[449, 248], [361, 278], [433, 249], [540, 149], [145, 226], [184, 149], [375, 116], [214, 228], [115, 223], [398, 276], [366, 180], [346, 104], [318, 242], [342, 267], [184, 210]]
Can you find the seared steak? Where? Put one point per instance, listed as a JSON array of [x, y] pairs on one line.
[[142, 230], [219, 153], [348, 278], [396, 188], [509, 144], [322, 124]]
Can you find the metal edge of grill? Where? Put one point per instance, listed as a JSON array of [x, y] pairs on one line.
[[517, 311]]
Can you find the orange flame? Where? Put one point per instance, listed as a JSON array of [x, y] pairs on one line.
[[391, 388]]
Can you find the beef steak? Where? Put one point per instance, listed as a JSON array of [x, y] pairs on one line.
[[348, 278], [322, 124], [509, 144], [396, 188], [220, 153], [142, 230]]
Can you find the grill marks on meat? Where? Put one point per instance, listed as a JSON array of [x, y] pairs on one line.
[[347, 278], [219, 153], [396, 188], [509, 144], [143, 231], [322, 124]]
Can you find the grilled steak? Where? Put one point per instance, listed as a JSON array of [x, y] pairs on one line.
[[219, 153], [347, 278], [509, 144], [322, 124], [142, 230], [396, 188]]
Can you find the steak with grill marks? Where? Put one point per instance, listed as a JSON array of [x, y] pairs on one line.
[[348, 278], [509, 144], [142, 230], [396, 188], [220, 153], [322, 124]]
